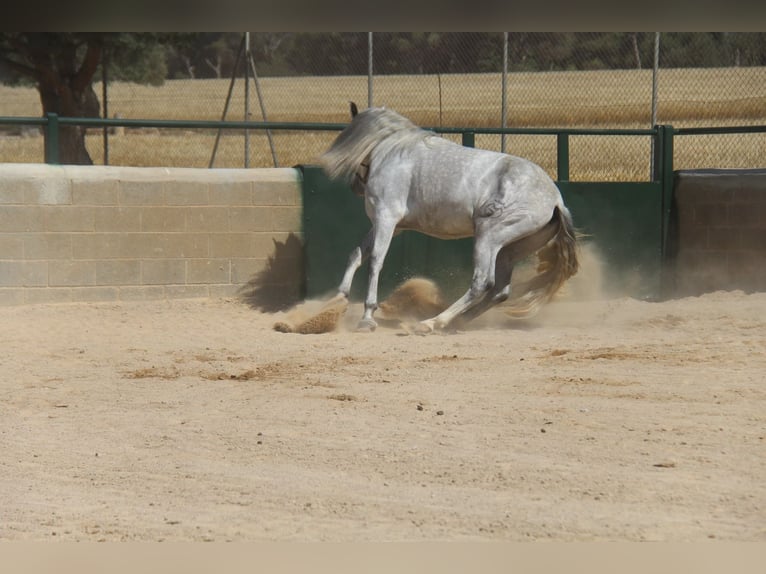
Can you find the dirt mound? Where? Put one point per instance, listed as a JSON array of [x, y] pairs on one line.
[[314, 317], [415, 299]]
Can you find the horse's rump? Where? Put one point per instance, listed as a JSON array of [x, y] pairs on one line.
[[557, 262]]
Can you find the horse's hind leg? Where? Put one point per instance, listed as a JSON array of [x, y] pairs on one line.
[[485, 255], [514, 239], [507, 258], [499, 292]]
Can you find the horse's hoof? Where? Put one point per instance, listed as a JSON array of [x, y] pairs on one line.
[[423, 328], [366, 326]]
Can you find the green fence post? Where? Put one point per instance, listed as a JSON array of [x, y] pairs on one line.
[[562, 157], [665, 176], [52, 138], [469, 139]]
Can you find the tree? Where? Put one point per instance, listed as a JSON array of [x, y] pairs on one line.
[[63, 66]]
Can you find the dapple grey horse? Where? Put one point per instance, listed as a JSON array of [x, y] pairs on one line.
[[412, 179]]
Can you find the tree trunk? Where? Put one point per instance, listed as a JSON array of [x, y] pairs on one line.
[[66, 89], [59, 98]]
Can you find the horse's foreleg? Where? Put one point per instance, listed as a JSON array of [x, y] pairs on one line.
[[383, 232], [355, 260]]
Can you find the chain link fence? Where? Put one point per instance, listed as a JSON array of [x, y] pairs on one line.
[[604, 80]]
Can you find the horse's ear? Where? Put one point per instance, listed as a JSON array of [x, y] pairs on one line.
[[354, 110]]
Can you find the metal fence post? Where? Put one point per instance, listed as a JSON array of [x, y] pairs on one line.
[[52, 138], [369, 69], [562, 156], [655, 69], [504, 96], [469, 139]]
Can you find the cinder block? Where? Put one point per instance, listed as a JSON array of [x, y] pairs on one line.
[[47, 246], [745, 269], [186, 193], [95, 191], [12, 296], [207, 219], [750, 191], [287, 219], [11, 246], [47, 191], [23, 273], [285, 271], [223, 291], [276, 193], [208, 271], [15, 218], [231, 193], [95, 294], [761, 215], [754, 239], [745, 215], [232, 245], [711, 214], [163, 271], [117, 218], [186, 291], [71, 273], [163, 219], [177, 245], [48, 295], [724, 238], [69, 218], [107, 246], [9, 194], [247, 270], [277, 243], [142, 293], [694, 236], [251, 218], [141, 193], [120, 272]]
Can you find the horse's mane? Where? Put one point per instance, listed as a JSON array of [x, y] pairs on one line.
[[379, 129]]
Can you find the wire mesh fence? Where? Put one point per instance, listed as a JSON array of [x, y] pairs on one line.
[[605, 80]]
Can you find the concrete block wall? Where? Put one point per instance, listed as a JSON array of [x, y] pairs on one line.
[[96, 233], [721, 231]]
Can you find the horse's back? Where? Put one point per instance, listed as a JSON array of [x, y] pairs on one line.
[[477, 175], [450, 185]]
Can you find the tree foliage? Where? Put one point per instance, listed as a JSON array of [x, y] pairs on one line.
[[63, 65]]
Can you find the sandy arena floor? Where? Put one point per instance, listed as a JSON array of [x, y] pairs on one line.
[[194, 420]]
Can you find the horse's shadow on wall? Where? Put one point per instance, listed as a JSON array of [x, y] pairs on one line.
[[280, 284]]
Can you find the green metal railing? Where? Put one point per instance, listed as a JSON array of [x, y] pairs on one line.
[[662, 134], [51, 124]]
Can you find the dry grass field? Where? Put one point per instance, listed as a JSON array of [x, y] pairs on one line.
[[604, 99]]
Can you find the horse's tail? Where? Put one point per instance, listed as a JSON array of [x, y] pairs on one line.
[[557, 262]]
